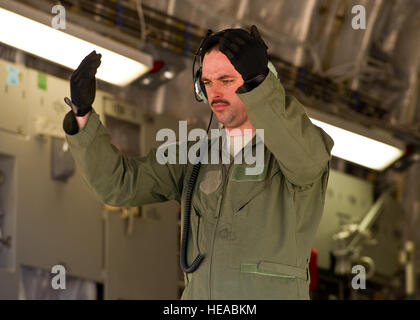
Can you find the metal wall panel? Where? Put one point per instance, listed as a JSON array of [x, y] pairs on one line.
[[61, 221]]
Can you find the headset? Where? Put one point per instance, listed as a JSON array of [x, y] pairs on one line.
[[201, 96], [210, 39]]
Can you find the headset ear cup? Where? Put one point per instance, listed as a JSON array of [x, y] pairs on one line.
[[200, 89], [203, 88]]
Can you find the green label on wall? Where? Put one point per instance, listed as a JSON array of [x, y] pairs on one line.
[[42, 81]]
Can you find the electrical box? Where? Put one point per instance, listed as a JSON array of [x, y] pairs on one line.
[[124, 123]]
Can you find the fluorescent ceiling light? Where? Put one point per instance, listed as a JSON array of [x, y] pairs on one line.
[[120, 64], [367, 147]]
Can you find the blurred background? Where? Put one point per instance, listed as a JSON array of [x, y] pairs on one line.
[[355, 65]]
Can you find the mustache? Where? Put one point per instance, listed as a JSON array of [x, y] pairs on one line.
[[220, 101]]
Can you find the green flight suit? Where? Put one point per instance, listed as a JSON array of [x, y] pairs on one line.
[[255, 231]]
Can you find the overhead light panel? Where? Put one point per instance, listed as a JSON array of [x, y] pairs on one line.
[[30, 30], [352, 142]]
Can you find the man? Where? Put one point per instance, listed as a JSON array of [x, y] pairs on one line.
[[255, 232]]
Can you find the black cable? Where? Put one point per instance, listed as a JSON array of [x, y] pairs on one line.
[[187, 214], [186, 225]]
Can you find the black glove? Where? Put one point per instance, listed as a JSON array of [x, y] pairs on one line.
[[83, 84], [248, 54]]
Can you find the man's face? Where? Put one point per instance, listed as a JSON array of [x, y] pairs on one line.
[[221, 81]]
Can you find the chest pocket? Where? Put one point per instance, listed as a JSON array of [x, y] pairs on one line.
[[247, 187], [211, 181], [207, 191]]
